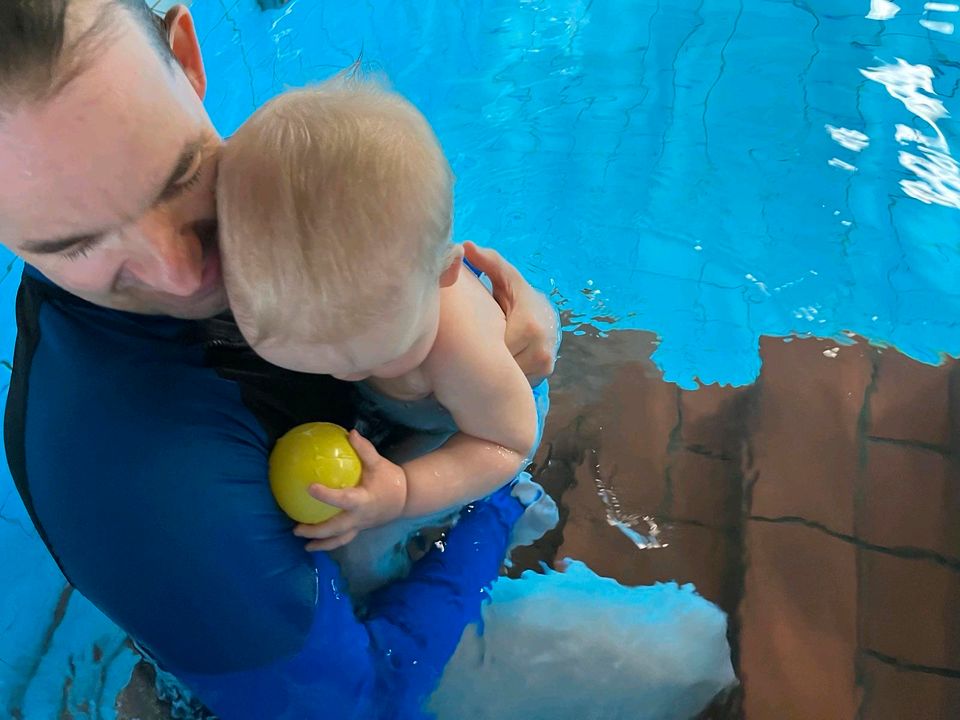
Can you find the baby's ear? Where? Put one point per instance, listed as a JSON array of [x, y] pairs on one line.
[[452, 270]]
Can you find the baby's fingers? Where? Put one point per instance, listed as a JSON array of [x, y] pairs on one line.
[[343, 498], [369, 457], [337, 525], [331, 543]]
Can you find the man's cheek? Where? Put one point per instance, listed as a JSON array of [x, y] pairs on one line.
[[86, 275]]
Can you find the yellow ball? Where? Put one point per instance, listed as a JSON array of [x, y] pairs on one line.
[[316, 452]]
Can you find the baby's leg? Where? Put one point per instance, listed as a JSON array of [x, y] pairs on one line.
[[374, 558], [379, 555]]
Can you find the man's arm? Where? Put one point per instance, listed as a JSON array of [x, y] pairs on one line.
[[387, 665], [184, 548]]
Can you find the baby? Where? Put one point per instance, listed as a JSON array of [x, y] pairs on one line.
[[335, 208]]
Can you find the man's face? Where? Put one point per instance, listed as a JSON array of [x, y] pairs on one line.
[[107, 188]]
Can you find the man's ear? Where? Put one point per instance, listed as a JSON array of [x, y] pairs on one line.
[[182, 38], [452, 271]]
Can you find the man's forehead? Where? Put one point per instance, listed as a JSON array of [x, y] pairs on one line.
[[84, 155]]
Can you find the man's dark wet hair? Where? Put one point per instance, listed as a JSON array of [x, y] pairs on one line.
[[37, 58]]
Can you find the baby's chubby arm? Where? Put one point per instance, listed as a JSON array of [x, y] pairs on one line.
[[474, 376]]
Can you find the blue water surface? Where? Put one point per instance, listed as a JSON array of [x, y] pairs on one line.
[[710, 171], [666, 165]]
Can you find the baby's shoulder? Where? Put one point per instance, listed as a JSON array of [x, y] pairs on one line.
[[469, 306], [471, 326]]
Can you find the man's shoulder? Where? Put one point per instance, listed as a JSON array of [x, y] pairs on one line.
[[74, 360], [98, 371], [99, 395]]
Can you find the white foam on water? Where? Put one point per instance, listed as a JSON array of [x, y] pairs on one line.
[[576, 646]]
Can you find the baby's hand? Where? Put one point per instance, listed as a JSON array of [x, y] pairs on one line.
[[378, 499]]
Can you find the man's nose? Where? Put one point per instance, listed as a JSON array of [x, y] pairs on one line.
[[168, 259]]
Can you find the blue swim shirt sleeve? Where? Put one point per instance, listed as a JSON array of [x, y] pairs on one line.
[[386, 666]]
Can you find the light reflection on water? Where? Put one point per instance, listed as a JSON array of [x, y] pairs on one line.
[[642, 530], [938, 179]]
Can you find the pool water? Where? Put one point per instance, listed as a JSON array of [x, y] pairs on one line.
[[711, 172]]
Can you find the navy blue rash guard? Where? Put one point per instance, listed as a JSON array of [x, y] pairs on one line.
[[139, 446]]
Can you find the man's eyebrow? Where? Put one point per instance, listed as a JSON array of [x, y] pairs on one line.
[[170, 188]]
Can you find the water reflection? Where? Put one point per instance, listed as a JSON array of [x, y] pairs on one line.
[[882, 10], [850, 139], [939, 26], [938, 178]]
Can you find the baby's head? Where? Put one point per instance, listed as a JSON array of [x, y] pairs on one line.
[[335, 208]]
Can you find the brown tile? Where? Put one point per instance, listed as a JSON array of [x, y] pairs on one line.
[[616, 454], [698, 555], [138, 700], [587, 534], [908, 610], [587, 367], [805, 447], [704, 489], [608, 384], [609, 427], [636, 417], [613, 406], [894, 694], [712, 419], [624, 434], [911, 400], [911, 497], [798, 626], [692, 554]]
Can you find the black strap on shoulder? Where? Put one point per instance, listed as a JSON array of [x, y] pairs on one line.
[[30, 298], [280, 399]]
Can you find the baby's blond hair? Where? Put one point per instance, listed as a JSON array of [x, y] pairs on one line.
[[332, 200]]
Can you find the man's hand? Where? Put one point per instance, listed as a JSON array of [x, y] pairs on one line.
[[532, 322], [378, 499]]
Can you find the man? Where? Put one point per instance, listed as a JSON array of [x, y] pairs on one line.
[[138, 422]]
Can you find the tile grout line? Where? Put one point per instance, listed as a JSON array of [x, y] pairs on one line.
[[906, 666], [905, 552]]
